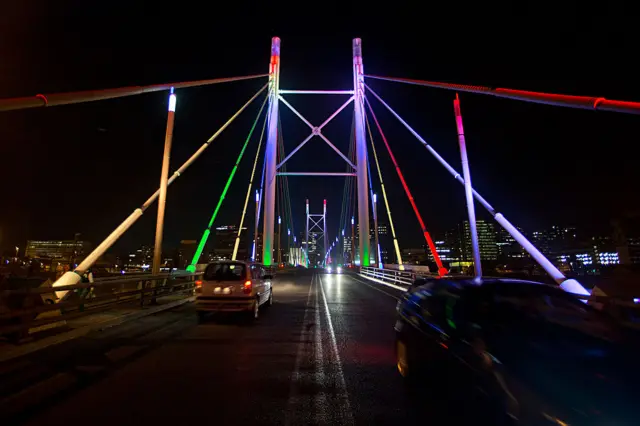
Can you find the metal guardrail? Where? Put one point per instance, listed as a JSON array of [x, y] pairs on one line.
[[393, 276], [28, 308]]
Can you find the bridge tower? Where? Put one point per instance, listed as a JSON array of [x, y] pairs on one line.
[[271, 151], [317, 223], [361, 155], [272, 166]]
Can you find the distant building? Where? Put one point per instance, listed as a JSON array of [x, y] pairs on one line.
[[486, 240], [258, 247], [447, 252], [588, 258], [555, 240], [414, 256], [185, 254], [346, 246], [453, 243], [384, 239], [626, 237], [64, 250], [314, 256], [629, 251], [223, 241], [141, 258], [508, 247]]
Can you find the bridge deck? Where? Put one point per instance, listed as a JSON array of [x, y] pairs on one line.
[[323, 354]]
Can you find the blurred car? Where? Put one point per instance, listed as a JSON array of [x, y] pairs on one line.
[[527, 353], [333, 270], [231, 286]]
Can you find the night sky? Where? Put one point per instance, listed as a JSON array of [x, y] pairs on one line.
[[84, 168]]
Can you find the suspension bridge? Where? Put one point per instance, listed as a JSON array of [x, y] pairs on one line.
[[346, 345]]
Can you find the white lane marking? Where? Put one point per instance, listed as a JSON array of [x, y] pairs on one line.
[[295, 377], [375, 288], [320, 397], [397, 287], [343, 393]]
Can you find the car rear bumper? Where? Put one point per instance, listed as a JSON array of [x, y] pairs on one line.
[[224, 304]]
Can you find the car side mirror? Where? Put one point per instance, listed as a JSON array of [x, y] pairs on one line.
[[268, 277]]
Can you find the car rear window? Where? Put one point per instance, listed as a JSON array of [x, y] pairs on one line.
[[225, 272]]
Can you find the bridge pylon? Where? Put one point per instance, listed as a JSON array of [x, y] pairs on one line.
[[358, 170], [271, 153], [361, 155], [317, 223]]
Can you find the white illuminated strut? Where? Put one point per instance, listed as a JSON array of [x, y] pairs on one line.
[[172, 101]]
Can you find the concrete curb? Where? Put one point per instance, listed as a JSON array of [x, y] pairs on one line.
[[81, 331]]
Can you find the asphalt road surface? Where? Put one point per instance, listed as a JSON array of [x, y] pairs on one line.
[[323, 354]]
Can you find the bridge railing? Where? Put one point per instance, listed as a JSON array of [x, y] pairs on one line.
[[392, 276], [29, 309]]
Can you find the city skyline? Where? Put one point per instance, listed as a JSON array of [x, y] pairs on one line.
[[495, 244], [608, 228]]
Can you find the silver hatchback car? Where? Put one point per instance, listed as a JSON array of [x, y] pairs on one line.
[[233, 286]]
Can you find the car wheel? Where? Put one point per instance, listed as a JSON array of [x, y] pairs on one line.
[[270, 300]]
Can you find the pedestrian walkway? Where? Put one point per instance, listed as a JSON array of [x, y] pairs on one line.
[[76, 327]]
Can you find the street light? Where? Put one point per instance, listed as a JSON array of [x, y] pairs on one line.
[[375, 226], [279, 239], [17, 250]]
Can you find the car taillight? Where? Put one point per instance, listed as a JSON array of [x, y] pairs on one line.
[[247, 287], [198, 286]]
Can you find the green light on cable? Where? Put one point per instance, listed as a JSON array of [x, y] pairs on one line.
[[192, 268], [207, 232]]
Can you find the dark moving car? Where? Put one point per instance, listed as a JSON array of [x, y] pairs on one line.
[[524, 352]]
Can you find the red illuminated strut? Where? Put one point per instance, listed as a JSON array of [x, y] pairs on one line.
[[441, 269]]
